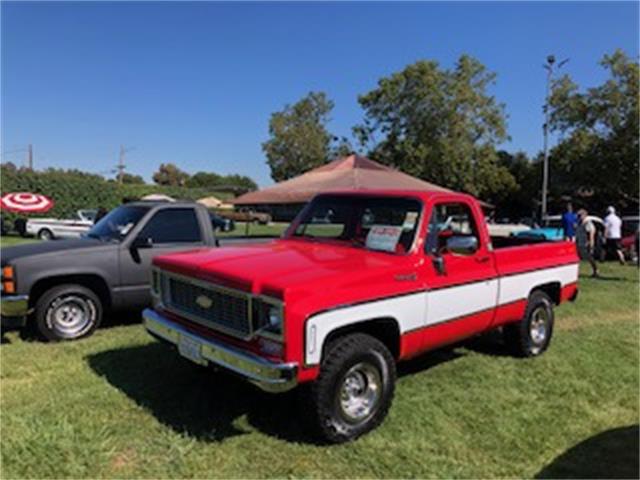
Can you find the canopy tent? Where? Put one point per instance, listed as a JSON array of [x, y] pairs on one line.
[[348, 173], [210, 202]]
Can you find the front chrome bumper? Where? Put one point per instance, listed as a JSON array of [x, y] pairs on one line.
[[14, 310], [267, 375]]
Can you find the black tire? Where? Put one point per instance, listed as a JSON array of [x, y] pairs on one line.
[[531, 336], [67, 312], [351, 362], [45, 234]]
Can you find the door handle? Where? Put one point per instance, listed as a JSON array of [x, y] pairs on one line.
[[483, 259]]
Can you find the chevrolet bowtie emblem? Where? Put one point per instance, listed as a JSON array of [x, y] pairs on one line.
[[204, 301]]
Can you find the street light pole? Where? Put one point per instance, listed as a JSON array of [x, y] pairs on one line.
[[551, 59]]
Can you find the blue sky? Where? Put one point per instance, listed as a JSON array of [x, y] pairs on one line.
[[195, 83]]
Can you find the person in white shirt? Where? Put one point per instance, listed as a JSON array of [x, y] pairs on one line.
[[586, 240], [613, 233]]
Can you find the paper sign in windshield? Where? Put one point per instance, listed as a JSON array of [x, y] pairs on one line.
[[383, 237]]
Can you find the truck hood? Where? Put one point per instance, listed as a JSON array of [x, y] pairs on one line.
[[56, 247], [270, 268]]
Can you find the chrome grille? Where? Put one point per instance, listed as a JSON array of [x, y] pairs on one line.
[[208, 305]]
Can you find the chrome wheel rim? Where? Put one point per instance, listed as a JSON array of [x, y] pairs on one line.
[[359, 392], [538, 328], [71, 316]]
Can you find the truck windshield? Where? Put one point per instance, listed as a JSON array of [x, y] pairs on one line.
[[115, 225], [385, 224]]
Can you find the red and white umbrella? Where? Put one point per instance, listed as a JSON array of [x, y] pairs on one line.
[[24, 202]]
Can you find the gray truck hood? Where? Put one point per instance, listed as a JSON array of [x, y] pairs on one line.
[[56, 247]]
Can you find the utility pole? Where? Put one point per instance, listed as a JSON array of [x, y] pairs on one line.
[[30, 157], [121, 166], [551, 59]]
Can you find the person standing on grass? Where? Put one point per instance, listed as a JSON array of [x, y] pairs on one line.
[[586, 240], [613, 234], [569, 223]]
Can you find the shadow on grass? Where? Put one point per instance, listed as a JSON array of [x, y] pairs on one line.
[[195, 400], [208, 405], [609, 454]]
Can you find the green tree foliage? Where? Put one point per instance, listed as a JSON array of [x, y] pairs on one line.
[[598, 154], [299, 139], [169, 174], [439, 125], [132, 179], [234, 182], [524, 200], [72, 189]]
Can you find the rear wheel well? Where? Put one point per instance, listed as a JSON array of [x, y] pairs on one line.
[[386, 330], [552, 289], [93, 282]]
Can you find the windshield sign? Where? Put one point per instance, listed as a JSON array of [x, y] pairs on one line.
[[386, 224]]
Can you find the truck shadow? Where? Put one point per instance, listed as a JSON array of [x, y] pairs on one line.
[[212, 406], [609, 454], [197, 401]]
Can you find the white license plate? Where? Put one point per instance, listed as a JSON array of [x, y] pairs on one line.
[[191, 349]]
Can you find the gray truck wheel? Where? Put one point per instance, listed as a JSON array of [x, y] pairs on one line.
[[355, 388], [531, 336], [67, 312]]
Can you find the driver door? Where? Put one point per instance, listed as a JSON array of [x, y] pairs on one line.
[[167, 231], [462, 281]]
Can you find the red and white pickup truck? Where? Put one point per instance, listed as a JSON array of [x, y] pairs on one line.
[[358, 282]]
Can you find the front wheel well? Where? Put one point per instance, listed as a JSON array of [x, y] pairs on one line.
[[93, 282], [386, 330], [552, 289]]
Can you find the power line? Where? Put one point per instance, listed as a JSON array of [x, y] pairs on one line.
[[121, 165]]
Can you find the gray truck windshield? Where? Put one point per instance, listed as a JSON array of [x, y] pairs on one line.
[[115, 225]]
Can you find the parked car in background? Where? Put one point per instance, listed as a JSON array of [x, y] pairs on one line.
[[62, 289], [244, 215], [358, 282], [630, 237], [52, 228]]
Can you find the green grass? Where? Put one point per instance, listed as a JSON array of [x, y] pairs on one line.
[[9, 240], [121, 405]]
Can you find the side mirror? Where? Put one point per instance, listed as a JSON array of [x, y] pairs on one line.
[[462, 245], [142, 242]]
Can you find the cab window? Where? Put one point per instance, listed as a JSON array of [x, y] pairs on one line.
[[448, 220], [173, 225]]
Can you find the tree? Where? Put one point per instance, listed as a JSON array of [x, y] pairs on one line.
[[234, 182], [523, 201], [204, 180], [132, 179], [599, 154], [299, 139], [439, 125], [169, 174]]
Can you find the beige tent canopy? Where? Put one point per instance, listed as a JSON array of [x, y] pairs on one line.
[[210, 202], [158, 197], [348, 173]]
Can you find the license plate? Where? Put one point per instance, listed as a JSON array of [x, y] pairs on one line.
[[191, 349]]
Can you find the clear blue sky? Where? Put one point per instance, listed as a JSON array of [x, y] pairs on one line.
[[195, 83]]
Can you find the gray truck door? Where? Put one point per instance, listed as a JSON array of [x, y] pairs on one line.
[[168, 230]]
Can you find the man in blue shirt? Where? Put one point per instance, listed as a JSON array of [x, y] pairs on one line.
[[569, 222]]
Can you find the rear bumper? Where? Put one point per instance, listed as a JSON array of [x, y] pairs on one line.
[[267, 375], [14, 310]]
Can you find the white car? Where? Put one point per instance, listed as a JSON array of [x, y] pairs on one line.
[[50, 228]]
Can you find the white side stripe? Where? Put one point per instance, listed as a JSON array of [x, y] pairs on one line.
[[517, 287], [428, 308]]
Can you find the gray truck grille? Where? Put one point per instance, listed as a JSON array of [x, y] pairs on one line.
[[209, 306]]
